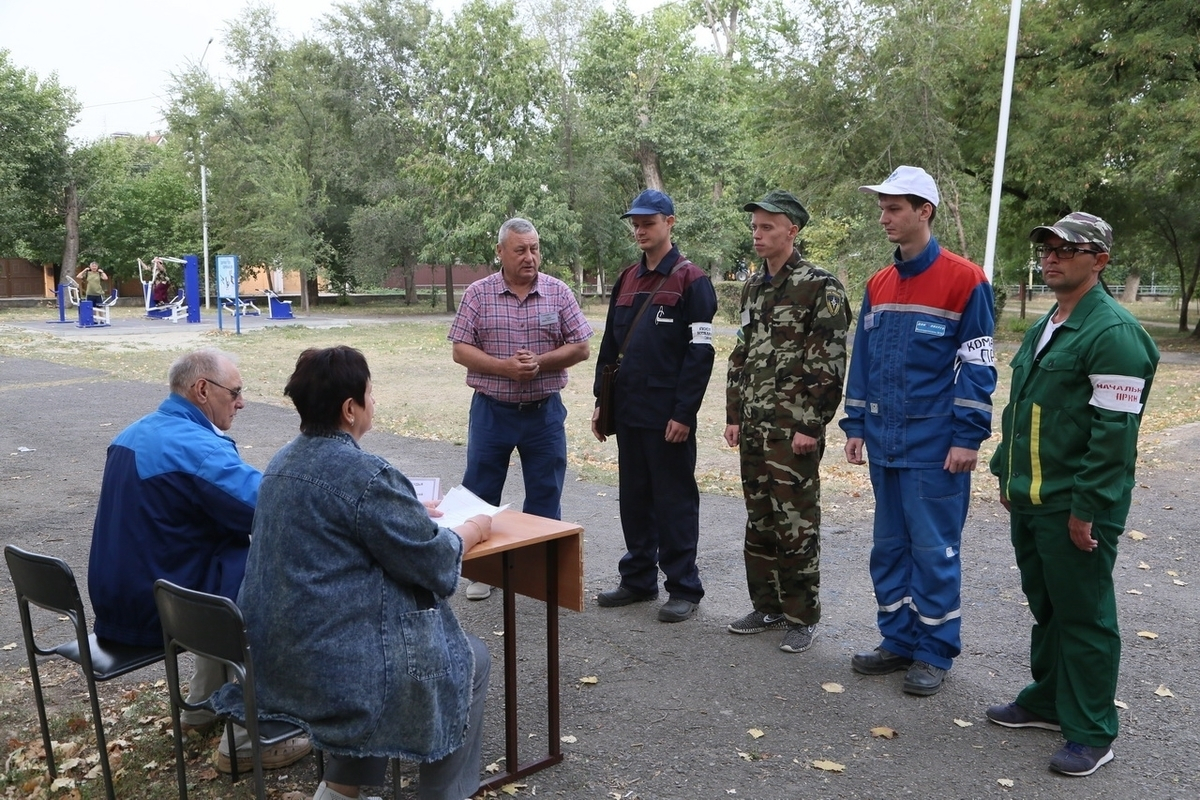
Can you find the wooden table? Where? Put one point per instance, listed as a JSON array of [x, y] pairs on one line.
[[543, 559]]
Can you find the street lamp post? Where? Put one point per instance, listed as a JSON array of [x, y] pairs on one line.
[[204, 220], [204, 195]]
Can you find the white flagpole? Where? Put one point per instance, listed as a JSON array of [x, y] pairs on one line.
[[1010, 61]]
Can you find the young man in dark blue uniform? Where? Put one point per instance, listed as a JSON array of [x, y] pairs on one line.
[[665, 368]]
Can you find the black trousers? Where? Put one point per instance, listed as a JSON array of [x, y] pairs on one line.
[[660, 512]]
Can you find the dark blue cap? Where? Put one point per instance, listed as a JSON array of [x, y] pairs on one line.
[[651, 201]]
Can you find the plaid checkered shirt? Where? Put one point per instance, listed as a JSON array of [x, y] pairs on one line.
[[492, 318]]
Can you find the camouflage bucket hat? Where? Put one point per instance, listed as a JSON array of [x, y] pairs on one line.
[[1077, 228]]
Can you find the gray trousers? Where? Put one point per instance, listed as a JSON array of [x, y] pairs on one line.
[[209, 676], [454, 777]]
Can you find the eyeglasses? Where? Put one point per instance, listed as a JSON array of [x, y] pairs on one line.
[[1065, 252], [233, 393]]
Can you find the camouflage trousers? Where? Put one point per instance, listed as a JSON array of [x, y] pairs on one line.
[[783, 527]]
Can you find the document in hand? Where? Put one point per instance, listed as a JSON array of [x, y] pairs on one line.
[[460, 504]]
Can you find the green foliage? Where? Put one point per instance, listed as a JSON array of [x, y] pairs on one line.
[[729, 300], [34, 117], [136, 201]]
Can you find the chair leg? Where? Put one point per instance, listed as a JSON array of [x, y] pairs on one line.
[[180, 763], [41, 708], [233, 759], [101, 744], [395, 779]]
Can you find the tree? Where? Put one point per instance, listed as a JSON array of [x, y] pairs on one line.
[[486, 136], [34, 170], [136, 201]]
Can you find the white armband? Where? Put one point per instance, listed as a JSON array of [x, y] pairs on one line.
[[1117, 393], [981, 351], [702, 333]]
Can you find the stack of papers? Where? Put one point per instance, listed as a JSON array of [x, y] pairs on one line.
[[460, 504]]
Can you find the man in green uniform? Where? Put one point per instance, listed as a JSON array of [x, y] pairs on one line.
[[1065, 463], [784, 386]]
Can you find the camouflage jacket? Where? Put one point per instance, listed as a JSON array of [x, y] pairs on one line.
[[789, 363]]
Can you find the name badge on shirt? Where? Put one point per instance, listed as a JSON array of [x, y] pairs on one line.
[[662, 317], [930, 328], [547, 319]]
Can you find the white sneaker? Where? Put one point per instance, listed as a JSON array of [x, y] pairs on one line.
[[325, 793], [478, 591]]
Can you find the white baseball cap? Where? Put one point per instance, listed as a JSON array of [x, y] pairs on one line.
[[907, 180]]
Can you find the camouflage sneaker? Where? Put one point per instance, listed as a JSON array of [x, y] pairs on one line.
[[798, 638], [757, 622]]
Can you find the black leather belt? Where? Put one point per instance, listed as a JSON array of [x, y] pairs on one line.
[[528, 405]]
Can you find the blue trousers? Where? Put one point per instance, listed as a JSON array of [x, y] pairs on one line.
[[660, 512], [539, 437], [915, 563]]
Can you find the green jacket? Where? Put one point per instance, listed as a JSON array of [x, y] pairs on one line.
[[789, 362], [1070, 429]]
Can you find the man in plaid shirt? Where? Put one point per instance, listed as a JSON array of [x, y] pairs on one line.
[[517, 331]]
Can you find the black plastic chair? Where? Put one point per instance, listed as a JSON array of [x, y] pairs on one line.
[[49, 583], [212, 626]]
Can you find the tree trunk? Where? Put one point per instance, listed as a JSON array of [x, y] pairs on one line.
[[450, 289], [1187, 290], [1130, 293], [410, 282], [70, 259], [649, 163], [1023, 290], [958, 223]]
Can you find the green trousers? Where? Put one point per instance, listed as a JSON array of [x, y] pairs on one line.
[[783, 527], [1075, 647]]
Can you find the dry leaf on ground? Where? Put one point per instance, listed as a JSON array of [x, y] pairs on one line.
[[1137, 536], [1163, 691], [829, 766], [1148, 634], [756, 733], [884, 732], [962, 723], [1120, 704], [1007, 783], [590, 679], [833, 688]]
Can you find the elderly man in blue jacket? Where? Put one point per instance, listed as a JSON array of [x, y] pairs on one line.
[[177, 502]]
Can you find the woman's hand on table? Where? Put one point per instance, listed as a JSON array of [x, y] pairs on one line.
[[475, 530], [432, 507]]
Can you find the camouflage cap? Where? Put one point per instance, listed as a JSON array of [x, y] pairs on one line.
[[781, 202], [1077, 228]]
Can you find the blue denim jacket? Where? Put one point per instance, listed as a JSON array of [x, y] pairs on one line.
[[345, 602]]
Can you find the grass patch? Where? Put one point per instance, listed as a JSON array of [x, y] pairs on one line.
[[421, 392]]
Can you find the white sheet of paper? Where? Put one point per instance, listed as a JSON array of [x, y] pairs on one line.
[[460, 504]]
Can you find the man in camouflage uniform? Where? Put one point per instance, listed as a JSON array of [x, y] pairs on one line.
[[784, 386]]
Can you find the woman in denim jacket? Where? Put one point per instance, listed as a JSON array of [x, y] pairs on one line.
[[345, 599]]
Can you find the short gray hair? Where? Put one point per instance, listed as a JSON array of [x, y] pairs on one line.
[[191, 367], [514, 225]]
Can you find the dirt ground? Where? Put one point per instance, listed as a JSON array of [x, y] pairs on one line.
[[670, 714]]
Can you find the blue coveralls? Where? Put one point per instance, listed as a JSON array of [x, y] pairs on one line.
[[921, 379]]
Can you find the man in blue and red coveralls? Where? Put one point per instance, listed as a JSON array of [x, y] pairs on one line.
[[664, 372], [918, 397]]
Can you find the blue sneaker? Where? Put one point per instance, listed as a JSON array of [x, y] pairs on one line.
[[1079, 760], [1011, 715]]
